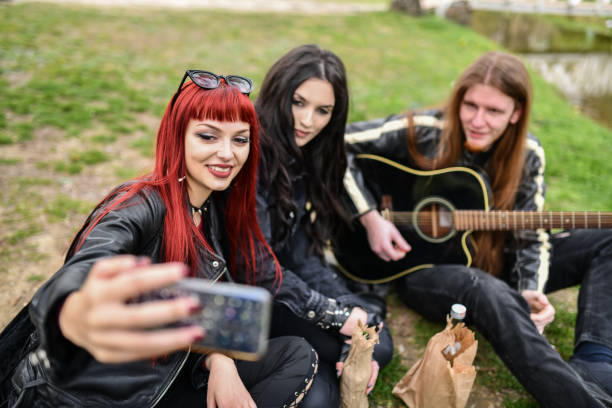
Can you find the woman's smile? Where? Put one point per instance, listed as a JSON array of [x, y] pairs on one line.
[[220, 170], [214, 154]]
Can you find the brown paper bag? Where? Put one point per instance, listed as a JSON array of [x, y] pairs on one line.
[[358, 368], [440, 380]]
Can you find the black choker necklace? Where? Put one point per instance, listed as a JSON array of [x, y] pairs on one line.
[[201, 210]]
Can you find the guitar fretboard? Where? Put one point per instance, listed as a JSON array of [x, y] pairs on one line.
[[463, 220], [529, 220]]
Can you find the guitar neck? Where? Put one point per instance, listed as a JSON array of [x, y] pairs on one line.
[[529, 220], [479, 220]]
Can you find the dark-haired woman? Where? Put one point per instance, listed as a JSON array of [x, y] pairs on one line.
[[302, 107], [193, 215]]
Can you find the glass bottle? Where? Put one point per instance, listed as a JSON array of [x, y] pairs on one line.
[[457, 315]]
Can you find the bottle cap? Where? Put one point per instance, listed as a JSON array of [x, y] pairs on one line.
[[458, 311]]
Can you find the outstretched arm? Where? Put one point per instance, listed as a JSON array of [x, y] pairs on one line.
[[99, 318]]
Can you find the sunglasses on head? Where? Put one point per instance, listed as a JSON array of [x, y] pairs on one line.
[[208, 80]]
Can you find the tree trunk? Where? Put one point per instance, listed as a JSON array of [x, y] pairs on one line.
[[412, 7]]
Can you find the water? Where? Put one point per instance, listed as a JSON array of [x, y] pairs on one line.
[[584, 79], [576, 58]]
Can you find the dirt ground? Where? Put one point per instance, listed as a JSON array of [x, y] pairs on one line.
[[44, 252]]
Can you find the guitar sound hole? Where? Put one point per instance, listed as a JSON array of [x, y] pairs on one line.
[[435, 220]]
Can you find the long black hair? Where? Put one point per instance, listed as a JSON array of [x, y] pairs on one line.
[[323, 158]]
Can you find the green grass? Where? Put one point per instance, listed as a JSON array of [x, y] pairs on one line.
[[145, 145], [9, 161], [77, 160], [87, 77], [21, 234], [126, 173], [62, 207], [6, 138], [69, 168], [36, 278], [381, 394], [104, 139], [561, 332]]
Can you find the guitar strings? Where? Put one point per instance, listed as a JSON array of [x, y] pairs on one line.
[[507, 219]]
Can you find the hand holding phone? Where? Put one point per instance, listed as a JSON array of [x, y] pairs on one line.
[[236, 318], [88, 316]]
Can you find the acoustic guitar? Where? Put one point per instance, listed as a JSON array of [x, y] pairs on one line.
[[436, 211]]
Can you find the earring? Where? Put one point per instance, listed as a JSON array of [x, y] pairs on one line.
[[181, 179]]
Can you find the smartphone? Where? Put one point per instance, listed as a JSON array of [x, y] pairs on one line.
[[236, 317]]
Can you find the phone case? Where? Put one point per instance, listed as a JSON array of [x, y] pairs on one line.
[[236, 317]]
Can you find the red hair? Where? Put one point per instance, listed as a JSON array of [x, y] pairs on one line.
[[224, 104]]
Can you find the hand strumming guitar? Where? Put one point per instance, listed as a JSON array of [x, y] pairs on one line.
[[384, 238]]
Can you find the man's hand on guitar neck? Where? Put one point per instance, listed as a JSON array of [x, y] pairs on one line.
[[384, 238], [542, 312]]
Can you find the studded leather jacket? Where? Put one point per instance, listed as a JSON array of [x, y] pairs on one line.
[[58, 373], [527, 253], [311, 288]]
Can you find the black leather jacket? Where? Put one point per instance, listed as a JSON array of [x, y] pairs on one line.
[[527, 253], [308, 280], [59, 373]]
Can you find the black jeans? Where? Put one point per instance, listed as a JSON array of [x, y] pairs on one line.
[[325, 390], [584, 257], [501, 315], [276, 380]]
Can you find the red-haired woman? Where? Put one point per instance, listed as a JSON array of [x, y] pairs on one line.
[[193, 212], [484, 126]]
